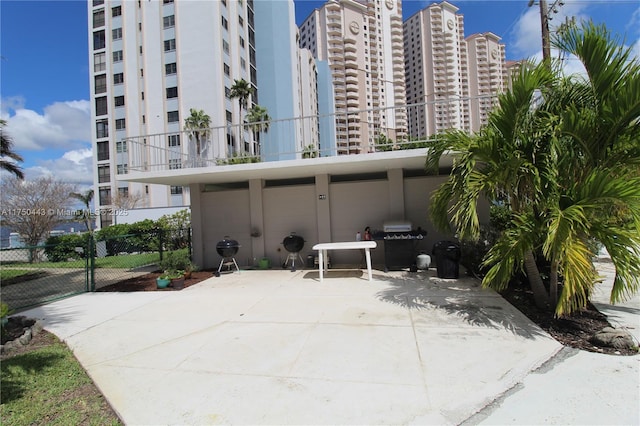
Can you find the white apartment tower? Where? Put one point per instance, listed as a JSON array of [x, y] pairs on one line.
[[451, 81], [435, 70], [362, 42], [151, 61], [487, 73]]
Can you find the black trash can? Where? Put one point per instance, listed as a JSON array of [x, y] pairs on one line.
[[447, 255], [311, 260]]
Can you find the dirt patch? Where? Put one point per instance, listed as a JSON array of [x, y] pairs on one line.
[[148, 282]]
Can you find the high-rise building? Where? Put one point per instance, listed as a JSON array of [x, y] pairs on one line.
[[487, 75], [153, 62], [451, 81], [362, 42], [435, 65]]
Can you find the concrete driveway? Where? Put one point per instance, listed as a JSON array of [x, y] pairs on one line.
[[279, 347]]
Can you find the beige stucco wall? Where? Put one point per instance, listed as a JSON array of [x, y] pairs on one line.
[[321, 212]]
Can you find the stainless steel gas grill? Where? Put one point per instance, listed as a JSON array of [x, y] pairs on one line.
[[400, 244]]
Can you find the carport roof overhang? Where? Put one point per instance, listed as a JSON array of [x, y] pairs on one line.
[[413, 159]]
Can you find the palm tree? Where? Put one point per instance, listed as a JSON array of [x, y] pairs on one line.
[[198, 124], [86, 199], [6, 150], [242, 90], [258, 120], [562, 154]]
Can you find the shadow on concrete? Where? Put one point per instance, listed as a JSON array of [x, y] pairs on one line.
[[462, 298]]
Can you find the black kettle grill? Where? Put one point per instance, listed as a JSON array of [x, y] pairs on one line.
[[227, 249], [293, 244]]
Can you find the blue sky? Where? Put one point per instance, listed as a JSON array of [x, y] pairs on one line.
[[44, 72]]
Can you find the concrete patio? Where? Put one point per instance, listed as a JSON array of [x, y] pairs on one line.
[[279, 347]]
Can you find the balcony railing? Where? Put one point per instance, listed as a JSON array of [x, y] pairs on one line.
[[287, 139]]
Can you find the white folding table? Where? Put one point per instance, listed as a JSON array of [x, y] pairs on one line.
[[346, 245]]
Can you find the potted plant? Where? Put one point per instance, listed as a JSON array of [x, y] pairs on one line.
[[178, 261], [163, 281]]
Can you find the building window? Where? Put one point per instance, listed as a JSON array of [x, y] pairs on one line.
[[105, 196], [121, 146], [98, 19], [167, 1], [176, 190], [99, 62], [225, 23], [240, 21], [116, 11], [122, 169], [118, 78], [120, 124], [98, 2], [118, 101], [243, 63], [229, 117], [104, 172], [116, 33], [103, 151], [227, 92], [173, 140], [102, 130], [101, 105], [123, 192], [170, 45], [241, 42], [225, 46], [169, 21], [227, 70], [172, 92], [99, 40], [173, 116], [174, 163], [117, 56], [170, 68], [100, 83]]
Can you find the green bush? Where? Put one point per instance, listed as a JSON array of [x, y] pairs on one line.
[[60, 248]]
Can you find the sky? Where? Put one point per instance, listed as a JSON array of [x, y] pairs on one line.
[[44, 66]]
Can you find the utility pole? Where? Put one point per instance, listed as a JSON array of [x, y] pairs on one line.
[[544, 20], [546, 43]]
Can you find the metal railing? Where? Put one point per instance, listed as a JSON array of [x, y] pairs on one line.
[[350, 132]]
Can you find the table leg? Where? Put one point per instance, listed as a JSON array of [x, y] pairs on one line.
[[368, 255], [320, 262]]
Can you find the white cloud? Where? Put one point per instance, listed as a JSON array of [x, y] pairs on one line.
[[526, 37], [62, 125], [75, 166]]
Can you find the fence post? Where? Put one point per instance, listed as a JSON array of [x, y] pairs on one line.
[[92, 263], [87, 253], [160, 241], [189, 243]]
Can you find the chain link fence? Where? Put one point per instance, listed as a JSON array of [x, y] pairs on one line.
[[74, 264]]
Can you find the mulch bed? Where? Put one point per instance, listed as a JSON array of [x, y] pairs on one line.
[[148, 282], [573, 331]]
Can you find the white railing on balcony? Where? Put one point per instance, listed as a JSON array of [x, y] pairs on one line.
[[288, 139]]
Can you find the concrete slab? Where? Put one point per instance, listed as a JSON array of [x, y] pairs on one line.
[[278, 347]]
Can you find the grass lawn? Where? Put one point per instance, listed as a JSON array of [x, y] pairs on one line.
[[124, 261], [47, 385], [7, 274]]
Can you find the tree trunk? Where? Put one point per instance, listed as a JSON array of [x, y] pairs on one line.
[[535, 281], [553, 284]]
